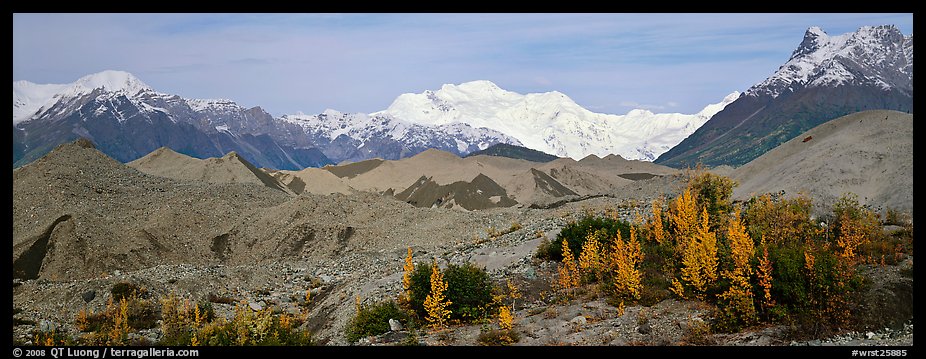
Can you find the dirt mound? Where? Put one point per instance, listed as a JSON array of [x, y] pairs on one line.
[[230, 168], [868, 153], [480, 193], [582, 179], [536, 187], [313, 180], [351, 170], [78, 213], [618, 165], [289, 180], [444, 168], [524, 181]]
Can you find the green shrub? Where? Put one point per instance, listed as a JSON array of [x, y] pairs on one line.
[[374, 320], [469, 288], [714, 193], [816, 300], [575, 233], [658, 269], [125, 290]]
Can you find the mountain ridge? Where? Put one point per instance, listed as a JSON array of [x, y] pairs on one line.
[[825, 78]]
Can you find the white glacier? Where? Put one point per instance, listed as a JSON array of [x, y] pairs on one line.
[[551, 122]]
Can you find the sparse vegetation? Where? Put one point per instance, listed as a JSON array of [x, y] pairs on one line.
[[124, 290], [468, 288], [112, 326], [576, 233], [493, 233], [373, 319], [186, 324], [498, 337], [766, 260]]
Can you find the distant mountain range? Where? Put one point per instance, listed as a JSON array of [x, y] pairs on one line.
[[825, 78], [552, 122], [127, 119]]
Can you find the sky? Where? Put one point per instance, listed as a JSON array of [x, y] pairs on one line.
[[289, 63]]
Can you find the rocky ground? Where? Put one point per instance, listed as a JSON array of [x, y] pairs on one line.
[[91, 222], [375, 273]]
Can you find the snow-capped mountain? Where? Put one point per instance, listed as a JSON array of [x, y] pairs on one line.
[[874, 55], [551, 122], [826, 77], [362, 127], [127, 119]]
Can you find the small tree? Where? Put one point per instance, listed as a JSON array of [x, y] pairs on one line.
[[738, 298], [568, 270], [764, 275], [714, 195], [408, 269], [684, 218], [590, 257], [505, 319], [624, 261], [436, 304], [656, 229], [699, 259]]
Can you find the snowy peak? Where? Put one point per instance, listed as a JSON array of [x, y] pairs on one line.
[[30, 98], [109, 81], [550, 122], [827, 76], [873, 55]]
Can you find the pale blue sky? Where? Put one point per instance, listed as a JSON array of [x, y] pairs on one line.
[[286, 63]]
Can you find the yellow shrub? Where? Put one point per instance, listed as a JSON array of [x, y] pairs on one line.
[[590, 257], [684, 218], [739, 298], [658, 233], [624, 260], [699, 258], [851, 236], [568, 270], [408, 269], [764, 274], [505, 319], [436, 303]]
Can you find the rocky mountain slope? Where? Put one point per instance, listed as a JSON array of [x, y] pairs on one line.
[[868, 153], [825, 78]]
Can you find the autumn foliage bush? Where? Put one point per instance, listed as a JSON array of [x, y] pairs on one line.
[[469, 289], [576, 233], [765, 260]]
